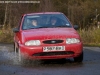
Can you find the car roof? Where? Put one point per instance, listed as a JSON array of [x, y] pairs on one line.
[[43, 13]]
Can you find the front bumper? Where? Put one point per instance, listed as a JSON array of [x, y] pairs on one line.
[[36, 52]]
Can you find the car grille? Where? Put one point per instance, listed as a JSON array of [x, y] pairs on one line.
[[53, 53], [52, 41]]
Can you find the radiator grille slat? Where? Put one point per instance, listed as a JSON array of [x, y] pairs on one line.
[[52, 41]]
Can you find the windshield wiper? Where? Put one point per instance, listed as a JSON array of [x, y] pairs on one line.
[[63, 26], [42, 27], [37, 27]]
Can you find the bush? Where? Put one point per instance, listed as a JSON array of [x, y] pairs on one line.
[[6, 36], [90, 36]]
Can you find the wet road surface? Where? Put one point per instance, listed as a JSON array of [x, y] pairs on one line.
[[90, 65]]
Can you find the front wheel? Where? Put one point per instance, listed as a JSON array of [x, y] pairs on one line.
[[19, 57], [17, 54], [79, 58]]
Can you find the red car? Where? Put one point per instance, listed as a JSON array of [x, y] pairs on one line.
[[47, 35]]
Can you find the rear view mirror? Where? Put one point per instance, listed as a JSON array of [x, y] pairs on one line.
[[15, 30], [76, 27]]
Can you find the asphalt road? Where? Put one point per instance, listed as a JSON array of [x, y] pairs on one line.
[[90, 65]]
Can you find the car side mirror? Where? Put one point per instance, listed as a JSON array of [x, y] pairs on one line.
[[15, 30], [76, 27]]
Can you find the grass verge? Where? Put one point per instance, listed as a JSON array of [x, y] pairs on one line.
[[90, 37]]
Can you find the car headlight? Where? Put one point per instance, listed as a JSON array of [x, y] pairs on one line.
[[32, 43], [72, 40]]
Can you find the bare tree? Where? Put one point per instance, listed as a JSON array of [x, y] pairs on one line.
[[5, 17], [46, 5]]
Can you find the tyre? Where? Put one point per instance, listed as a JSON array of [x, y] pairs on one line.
[[79, 58], [18, 55]]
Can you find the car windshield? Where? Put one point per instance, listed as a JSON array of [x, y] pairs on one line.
[[45, 21]]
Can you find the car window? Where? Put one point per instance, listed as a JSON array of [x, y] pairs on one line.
[[45, 21]]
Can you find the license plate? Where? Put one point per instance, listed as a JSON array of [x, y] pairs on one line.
[[53, 48]]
